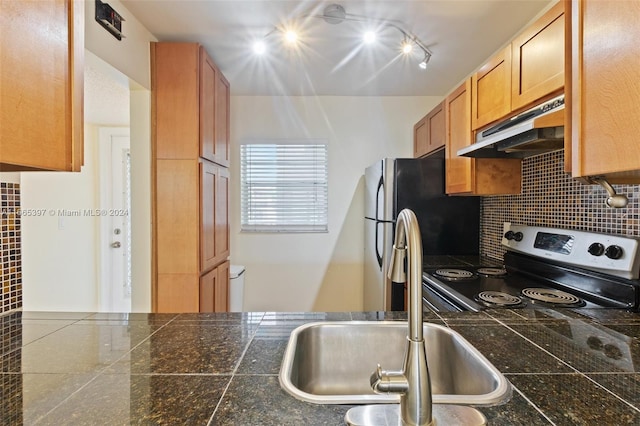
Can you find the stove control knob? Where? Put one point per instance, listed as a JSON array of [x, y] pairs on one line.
[[614, 252], [509, 235], [518, 236], [596, 249]]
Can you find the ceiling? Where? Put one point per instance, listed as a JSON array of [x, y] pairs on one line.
[[331, 59]]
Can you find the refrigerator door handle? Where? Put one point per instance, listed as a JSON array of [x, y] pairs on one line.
[[380, 187], [378, 190], [378, 256]]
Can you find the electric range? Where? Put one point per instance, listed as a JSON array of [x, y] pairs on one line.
[[543, 267]]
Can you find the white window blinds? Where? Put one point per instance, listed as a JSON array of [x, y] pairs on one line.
[[284, 186]]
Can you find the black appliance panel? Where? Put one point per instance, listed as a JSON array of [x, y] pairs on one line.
[[449, 225]]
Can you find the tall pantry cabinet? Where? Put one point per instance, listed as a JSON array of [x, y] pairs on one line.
[[190, 119]]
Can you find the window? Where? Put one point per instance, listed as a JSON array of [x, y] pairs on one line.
[[284, 186]]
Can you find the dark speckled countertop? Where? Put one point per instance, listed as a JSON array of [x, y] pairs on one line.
[[567, 367]]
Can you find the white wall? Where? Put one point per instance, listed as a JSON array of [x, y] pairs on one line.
[[140, 107], [131, 54], [58, 253], [318, 272]]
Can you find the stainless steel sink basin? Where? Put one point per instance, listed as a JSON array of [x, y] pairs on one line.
[[331, 362]]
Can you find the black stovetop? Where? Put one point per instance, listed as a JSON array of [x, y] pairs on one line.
[[595, 290]]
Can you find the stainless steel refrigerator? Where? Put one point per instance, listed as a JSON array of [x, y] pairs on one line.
[[450, 225]]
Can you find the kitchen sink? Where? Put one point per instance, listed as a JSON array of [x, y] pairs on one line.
[[331, 363]]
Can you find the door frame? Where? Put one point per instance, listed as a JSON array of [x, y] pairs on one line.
[[104, 226]]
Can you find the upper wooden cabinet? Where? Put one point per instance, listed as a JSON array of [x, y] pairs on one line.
[[192, 104], [429, 132], [491, 90], [473, 176], [537, 57], [529, 69], [604, 96], [41, 80]]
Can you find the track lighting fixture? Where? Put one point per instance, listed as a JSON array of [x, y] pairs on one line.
[[335, 14]]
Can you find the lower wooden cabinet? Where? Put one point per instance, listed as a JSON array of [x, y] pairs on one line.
[[214, 289]]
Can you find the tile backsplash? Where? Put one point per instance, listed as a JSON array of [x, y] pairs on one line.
[[10, 255], [551, 198]]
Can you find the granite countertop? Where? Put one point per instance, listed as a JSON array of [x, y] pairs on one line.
[[567, 367]]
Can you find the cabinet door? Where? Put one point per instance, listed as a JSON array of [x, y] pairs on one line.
[[214, 223], [428, 133], [491, 90], [605, 89], [420, 141], [459, 135], [208, 284], [222, 213], [221, 300], [222, 120], [208, 105], [214, 289], [538, 59], [42, 57], [214, 112], [436, 128]]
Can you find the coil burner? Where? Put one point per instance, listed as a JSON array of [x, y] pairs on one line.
[[455, 274], [498, 298], [492, 272], [552, 296]]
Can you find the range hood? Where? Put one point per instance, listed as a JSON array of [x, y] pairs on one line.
[[535, 131]]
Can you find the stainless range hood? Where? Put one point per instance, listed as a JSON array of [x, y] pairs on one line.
[[535, 131]]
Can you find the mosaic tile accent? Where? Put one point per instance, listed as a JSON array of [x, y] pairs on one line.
[[10, 361], [552, 198], [10, 255]]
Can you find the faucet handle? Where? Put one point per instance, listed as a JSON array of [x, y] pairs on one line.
[[388, 381]]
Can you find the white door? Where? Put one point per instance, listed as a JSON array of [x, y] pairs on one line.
[[115, 220]]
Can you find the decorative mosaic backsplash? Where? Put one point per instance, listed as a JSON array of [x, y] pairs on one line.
[[10, 257], [551, 198], [11, 385]]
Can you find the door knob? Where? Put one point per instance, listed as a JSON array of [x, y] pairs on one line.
[[116, 244]]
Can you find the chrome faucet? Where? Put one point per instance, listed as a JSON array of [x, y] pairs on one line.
[[412, 382]]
